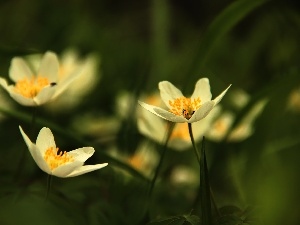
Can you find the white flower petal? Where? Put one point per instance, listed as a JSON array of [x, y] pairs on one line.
[[86, 169], [163, 113], [66, 169], [39, 160], [202, 112], [170, 116], [202, 90], [36, 153], [168, 92], [150, 108], [151, 126], [45, 95], [219, 98], [45, 140], [61, 86], [20, 98], [19, 70], [49, 67], [75, 168], [82, 154], [4, 84], [202, 126]]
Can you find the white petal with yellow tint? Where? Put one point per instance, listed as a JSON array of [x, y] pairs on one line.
[[86, 169], [170, 116], [82, 154], [151, 126], [4, 84], [45, 140], [19, 70], [20, 98], [154, 110], [202, 112], [64, 164], [36, 89], [36, 153], [202, 90], [61, 86], [45, 95], [79, 156], [219, 98], [182, 109], [49, 67], [168, 92]]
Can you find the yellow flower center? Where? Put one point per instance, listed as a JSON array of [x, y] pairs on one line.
[[29, 88], [55, 159], [184, 106], [180, 131]]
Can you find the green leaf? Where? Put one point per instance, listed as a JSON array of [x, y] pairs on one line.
[[205, 201], [192, 219]]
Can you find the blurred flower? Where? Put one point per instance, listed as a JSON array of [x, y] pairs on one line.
[[59, 163], [184, 175], [156, 128], [104, 129], [222, 126], [125, 104], [182, 109], [33, 90], [87, 77], [144, 159], [293, 103]]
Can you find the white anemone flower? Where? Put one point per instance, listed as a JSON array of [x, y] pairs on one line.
[[35, 89], [182, 109], [156, 128], [70, 62], [59, 163]]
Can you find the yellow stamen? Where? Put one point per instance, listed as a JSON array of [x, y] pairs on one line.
[[184, 106], [55, 159], [29, 88]]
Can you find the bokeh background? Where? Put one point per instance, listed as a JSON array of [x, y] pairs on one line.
[[253, 45]]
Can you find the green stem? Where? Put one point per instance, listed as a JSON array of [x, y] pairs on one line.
[[49, 182], [193, 142], [198, 158], [161, 158]]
